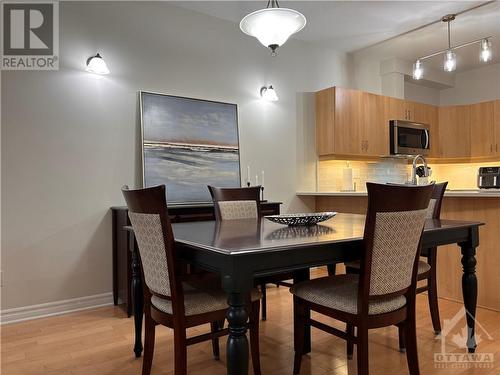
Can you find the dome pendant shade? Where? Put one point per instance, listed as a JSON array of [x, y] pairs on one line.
[[273, 26]]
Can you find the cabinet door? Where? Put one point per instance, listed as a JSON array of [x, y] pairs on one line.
[[482, 129], [496, 117], [428, 114], [396, 109], [348, 122], [454, 131], [375, 130], [325, 117]]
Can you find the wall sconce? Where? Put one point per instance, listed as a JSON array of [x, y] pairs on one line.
[[268, 93], [97, 65]]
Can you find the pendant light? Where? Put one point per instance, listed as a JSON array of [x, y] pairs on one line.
[[97, 65], [485, 54], [418, 72], [450, 57], [273, 26]]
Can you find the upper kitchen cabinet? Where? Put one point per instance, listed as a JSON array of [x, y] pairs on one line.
[[351, 122], [454, 131], [496, 118], [428, 114], [482, 130], [348, 125], [375, 126], [325, 117]]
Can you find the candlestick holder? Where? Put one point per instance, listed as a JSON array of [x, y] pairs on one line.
[[262, 193], [248, 183]]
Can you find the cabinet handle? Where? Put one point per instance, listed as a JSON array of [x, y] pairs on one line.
[[367, 145], [496, 147], [406, 114], [491, 148]]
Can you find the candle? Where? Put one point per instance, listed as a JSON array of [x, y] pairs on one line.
[[248, 173], [256, 179], [262, 182]]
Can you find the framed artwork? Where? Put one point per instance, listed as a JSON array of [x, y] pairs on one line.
[[188, 144]]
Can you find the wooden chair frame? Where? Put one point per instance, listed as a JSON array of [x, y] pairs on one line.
[[153, 201], [251, 193], [431, 275], [381, 198]]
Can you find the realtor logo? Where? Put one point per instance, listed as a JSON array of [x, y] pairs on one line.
[[30, 35]]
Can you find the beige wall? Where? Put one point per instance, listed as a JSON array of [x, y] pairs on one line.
[[70, 139], [473, 86]]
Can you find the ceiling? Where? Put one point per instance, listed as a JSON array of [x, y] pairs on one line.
[[354, 25]]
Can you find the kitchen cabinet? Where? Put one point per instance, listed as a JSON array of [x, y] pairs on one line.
[[348, 126], [375, 125], [325, 117], [428, 114], [351, 122], [496, 124], [454, 131], [482, 131]]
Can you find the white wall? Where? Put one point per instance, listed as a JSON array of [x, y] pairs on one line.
[[70, 139], [473, 86], [421, 94]]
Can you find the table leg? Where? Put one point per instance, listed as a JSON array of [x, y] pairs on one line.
[[298, 276], [237, 343], [469, 291], [137, 297]]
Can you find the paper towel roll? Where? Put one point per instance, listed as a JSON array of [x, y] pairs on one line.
[[347, 178]]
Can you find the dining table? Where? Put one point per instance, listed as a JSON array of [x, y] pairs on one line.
[[241, 250]]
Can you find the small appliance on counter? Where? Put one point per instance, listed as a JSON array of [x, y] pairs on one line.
[[488, 178]]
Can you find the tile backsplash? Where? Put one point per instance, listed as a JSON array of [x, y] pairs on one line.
[[330, 173]]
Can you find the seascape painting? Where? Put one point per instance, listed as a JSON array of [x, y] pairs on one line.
[[189, 144]]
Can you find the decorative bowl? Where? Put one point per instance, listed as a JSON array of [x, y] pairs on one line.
[[301, 219]]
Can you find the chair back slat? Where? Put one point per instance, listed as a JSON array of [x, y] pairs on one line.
[[393, 229], [153, 231], [149, 235], [395, 243], [236, 203]]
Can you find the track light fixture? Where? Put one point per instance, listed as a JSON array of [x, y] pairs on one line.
[[450, 57]]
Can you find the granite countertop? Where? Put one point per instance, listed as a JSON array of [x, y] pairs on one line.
[[449, 193]]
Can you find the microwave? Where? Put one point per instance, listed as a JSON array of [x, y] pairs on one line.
[[409, 138]]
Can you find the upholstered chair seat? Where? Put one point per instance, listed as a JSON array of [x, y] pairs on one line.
[[423, 266], [341, 293], [199, 299]]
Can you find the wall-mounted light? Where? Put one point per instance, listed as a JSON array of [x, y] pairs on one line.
[[97, 65], [268, 93]]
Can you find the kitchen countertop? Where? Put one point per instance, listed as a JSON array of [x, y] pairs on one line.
[[449, 193]]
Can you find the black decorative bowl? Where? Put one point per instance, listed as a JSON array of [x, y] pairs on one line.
[[301, 219]]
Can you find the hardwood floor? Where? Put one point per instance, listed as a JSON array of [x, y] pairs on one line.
[[100, 342]]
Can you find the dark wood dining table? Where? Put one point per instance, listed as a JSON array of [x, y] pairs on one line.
[[241, 250]]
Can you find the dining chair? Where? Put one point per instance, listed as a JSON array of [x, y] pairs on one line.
[[171, 298], [384, 292], [244, 203], [427, 269]]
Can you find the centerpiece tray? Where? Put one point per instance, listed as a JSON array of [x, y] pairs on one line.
[[301, 219]]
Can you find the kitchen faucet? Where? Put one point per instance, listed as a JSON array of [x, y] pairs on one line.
[[414, 169]]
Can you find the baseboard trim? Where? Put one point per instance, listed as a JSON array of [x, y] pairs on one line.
[[43, 310]]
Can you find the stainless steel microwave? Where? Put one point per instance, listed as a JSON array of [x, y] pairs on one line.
[[409, 138]]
